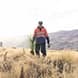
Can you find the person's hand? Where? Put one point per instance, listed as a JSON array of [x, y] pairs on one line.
[[32, 52], [48, 45]]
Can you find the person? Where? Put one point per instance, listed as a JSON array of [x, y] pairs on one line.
[[40, 36]]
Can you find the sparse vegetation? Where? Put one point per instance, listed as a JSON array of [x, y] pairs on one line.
[[30, 38], [19, 63], [32, 44]]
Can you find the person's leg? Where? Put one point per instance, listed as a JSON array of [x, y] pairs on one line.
[[43, 49], [37, 49]]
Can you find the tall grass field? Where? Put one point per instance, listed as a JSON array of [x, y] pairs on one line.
[[20, 63]]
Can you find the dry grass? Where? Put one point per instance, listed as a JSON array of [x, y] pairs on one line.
[[19, 63]]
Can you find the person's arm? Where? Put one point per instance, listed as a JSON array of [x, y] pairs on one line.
[[48, 41], [47, 37]]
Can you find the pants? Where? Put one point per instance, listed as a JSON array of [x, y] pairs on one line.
[[41, 47]]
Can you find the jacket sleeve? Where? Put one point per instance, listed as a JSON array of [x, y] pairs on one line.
[[48, 40], [46, 34], [47, 37]]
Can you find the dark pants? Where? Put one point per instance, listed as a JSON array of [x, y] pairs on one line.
[[41, 47]]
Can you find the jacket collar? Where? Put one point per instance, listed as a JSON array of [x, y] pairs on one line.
[[41, 27]]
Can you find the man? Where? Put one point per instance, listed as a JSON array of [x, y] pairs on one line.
[[40, 36]]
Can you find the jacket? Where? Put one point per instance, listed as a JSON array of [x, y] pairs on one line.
[[40, 35]]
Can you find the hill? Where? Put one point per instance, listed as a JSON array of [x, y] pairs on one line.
[[58, 40], [64, 40]]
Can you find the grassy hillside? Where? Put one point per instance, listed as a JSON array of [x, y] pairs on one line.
[[19, 63], [64, 40]]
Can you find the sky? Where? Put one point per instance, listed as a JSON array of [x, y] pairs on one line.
[[20, 17]]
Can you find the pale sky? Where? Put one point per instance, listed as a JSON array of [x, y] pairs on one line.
[[20, 17]]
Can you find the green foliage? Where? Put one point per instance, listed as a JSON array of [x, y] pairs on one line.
[[31, 43]]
